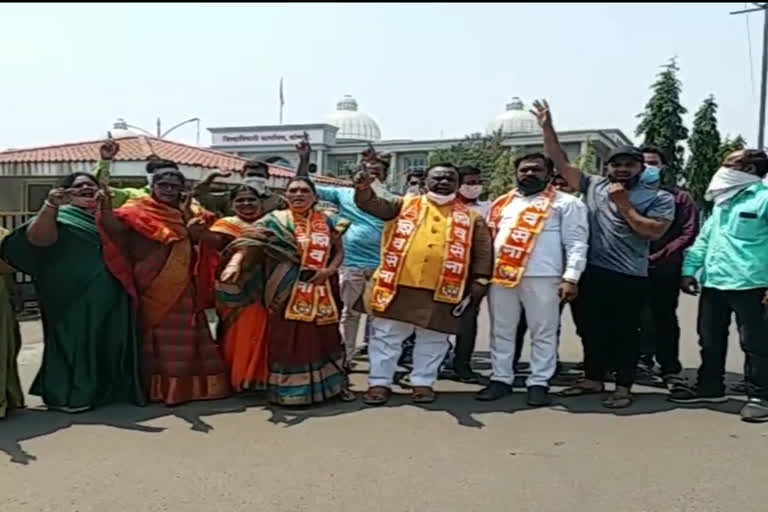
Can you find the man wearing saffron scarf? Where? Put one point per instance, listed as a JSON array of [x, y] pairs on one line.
[[540, 241], [435, 262], [150, 246], [731, 254]]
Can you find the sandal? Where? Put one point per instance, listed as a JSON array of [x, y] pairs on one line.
[[377, 395], [581, 391], [619, 401], [423, 395], [347, 395]]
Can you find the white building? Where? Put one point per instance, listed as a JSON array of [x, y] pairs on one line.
[[346, 132]]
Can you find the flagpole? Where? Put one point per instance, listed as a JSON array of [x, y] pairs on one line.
[[282, 102]]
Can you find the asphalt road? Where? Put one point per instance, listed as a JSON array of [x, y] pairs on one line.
[[454, 455]]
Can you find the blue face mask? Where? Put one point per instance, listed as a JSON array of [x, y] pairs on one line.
[[651, 175]]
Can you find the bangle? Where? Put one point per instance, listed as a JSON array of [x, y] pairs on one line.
[[49, 204]]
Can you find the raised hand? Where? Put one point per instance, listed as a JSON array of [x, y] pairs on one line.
[[109, 149], [543, 114], [618, 193], [103, 198], [58, 197], [304, 148], [362, 179]]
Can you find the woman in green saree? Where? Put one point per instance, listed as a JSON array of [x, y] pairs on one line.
[[11, 395], [90, 356]]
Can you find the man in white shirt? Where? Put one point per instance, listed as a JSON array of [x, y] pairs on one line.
[[540, 245]]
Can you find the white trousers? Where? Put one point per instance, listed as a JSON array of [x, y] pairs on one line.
[[352, 284], [386, 345], [539, 297]]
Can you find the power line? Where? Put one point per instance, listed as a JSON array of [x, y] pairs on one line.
[[749, 50]]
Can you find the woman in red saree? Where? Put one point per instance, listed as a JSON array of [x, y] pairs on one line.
[[241, 329], [290, 265], [150, 249]]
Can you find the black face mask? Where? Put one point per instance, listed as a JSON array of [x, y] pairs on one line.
[[531, 185]]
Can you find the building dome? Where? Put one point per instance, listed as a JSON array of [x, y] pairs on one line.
[[515, 120], [120, 129], [353, 125]]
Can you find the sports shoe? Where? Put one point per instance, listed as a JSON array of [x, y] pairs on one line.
[[683, 394], [755, 410]]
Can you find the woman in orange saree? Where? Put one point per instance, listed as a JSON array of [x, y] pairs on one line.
[[150, 247], [241, 330]]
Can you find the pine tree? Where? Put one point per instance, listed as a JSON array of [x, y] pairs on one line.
[[705, 150], [729, 146], [661, 123]]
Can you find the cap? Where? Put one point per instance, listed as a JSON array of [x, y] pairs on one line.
[[628, 151]]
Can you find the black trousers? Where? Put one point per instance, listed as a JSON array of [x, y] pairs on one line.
[[613, 309], [661, 330], [715, 310], [465, 340]]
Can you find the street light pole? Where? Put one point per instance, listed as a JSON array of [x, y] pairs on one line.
[[161, 134], [763, 86]]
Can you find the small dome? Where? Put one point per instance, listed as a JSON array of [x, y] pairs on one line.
[[120, 129], [353, 125], [515, 120]]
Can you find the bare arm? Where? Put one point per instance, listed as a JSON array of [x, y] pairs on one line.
[[304, 149], [111, 224], [552, 146], [338, 254], [43, 231], [646, 227]]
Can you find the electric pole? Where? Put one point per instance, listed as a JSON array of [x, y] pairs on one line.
[[764, 70]]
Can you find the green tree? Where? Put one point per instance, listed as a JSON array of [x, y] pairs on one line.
[[661, 123], [729, 146], [502, 178], [705, 149]]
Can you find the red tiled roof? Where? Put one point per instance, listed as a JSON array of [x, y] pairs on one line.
[[142, 148]]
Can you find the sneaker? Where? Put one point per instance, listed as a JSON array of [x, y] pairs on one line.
[[538, 396], [493, 391], [739, 387], [673, 381], [755, 410], [687, 395]]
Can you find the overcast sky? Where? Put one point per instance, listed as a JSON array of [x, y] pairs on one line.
[[421, 70]]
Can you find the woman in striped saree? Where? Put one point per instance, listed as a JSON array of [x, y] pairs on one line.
[[291, 266]]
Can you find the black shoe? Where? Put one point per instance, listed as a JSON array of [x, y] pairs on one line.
[[466, 375], [538, 396], [493, 391], [688, 395]]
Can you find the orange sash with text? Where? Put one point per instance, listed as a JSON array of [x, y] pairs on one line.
[[453, 277], [513, 256], [312, 302]]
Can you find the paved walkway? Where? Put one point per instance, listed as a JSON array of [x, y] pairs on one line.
[[455, 455]]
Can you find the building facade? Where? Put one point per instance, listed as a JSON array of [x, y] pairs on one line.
[[347, 132]]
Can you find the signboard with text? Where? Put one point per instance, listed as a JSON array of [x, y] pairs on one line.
[[266, 138]]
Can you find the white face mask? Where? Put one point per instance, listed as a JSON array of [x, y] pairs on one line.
[[441, 199], [471, 191], [259, 183]]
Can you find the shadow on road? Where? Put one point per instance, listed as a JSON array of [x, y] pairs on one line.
[[28, 424]]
